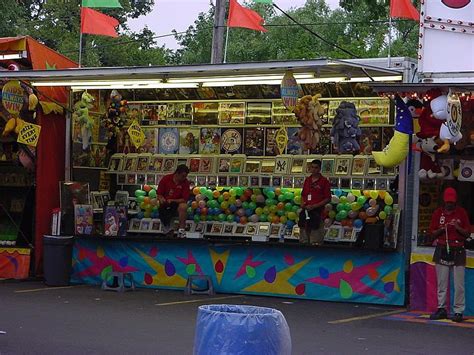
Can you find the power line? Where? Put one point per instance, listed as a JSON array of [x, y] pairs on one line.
[[315, 34]]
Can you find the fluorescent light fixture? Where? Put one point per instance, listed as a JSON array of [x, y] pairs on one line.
[[96, 83], [239, 78], [301, 81], [206, 82], [135, 86], [11, 56]]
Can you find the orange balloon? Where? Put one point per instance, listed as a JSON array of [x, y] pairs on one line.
[[371, 220], [146, 200], [362, 215], [277, 191], [196, 191], [280, 205], [194, 205]]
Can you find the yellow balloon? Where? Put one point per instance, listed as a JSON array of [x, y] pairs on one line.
[[382, 194], [382, 215], [356, 193], [366, 193], [388, 199], [374, 194]]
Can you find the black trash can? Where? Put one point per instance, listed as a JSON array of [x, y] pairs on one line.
[[241, 329], [57, 259]]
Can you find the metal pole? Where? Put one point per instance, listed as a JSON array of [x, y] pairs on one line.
[[226, 44], [218, 33], [80, 49], [389, 64]]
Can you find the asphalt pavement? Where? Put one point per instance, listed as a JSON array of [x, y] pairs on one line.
[[83, 319]]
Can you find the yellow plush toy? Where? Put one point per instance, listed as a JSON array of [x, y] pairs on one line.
[[13, 125]]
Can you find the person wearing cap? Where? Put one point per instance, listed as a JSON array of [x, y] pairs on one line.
[[450, 226]]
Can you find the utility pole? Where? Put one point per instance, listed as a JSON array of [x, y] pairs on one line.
[[218, 33]]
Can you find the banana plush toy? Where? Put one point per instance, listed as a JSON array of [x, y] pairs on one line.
[[398, 147]]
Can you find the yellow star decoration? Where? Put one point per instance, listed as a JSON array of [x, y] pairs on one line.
[[215, 256], [160, 278], [280, 285], [392, 277]]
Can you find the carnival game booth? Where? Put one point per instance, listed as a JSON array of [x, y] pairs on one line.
[[32, 146], [431, 173], [248, 152]]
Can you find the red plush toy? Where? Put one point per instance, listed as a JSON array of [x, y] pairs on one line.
[[429, 167]]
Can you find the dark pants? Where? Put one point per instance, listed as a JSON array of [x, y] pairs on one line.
[[167, 211], [314, 221]]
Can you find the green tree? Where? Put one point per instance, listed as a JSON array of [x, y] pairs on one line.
[[56, 23], [359, 27]]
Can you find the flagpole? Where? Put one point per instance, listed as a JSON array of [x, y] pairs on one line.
[[80, 49], [226, 43], [389, 40]]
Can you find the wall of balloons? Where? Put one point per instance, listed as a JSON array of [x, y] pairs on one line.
[[348, 208]]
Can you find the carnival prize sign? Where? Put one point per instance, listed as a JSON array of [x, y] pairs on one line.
[[289, 91], [136, 134], [29, 134], [454, 110], [12, 97]]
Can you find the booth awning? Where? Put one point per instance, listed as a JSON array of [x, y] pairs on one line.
[[306, 71]]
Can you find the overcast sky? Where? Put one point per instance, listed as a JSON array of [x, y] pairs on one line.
[[180, 14]]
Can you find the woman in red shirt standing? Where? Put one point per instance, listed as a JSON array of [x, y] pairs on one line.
[[315, 195], [450, 225]]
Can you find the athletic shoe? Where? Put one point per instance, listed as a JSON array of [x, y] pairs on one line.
[[439, 314], [181, 233], [457, 318]]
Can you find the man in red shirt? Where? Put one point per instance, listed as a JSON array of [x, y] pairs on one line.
[[173, 195], [315, 195], [450, 225]]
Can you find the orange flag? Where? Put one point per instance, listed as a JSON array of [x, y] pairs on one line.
[[405, 9], [240, 16], [96, 23]]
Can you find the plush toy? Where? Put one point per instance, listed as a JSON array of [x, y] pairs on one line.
[[82, 118], [429, 167], [115, 115], [440, 112], [13, 125], [345, 132], [309, 112], [415, 107], [398, 147]]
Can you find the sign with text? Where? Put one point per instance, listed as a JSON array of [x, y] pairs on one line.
[[289, 91], [29, 134], [454, 109], [136, 134], [12, 97]]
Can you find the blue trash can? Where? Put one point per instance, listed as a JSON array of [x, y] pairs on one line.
[[237, 329]]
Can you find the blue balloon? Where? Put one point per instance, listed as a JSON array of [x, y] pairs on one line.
[[290, 224], [237, 218], [338, 192], [197, 211], [357, 223], [248, 212], [233, 208]]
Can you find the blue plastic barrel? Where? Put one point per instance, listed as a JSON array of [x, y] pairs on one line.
[[236, 329]]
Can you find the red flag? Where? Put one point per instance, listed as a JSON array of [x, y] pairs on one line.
[[96, 23], [405, 9], [240, 16]]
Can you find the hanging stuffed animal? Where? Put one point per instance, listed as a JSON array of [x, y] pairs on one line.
[[116, 113], [309, 112], [429, 166], [82, 118], [439, 107], [345, 132]]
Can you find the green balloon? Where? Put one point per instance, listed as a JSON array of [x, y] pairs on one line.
[[271, 202], [288, 206], [263, 218], [239, 191], [298, 200], [139, 193], [220, 199], [271, 194], [197, 218], [152, 193], [230, 218], [221, 217], [140, 199], [281, 198], [252, 205], [295, 208], [245, 205], [361, 200]]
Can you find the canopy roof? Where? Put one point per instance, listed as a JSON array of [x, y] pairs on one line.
[[322, 69]]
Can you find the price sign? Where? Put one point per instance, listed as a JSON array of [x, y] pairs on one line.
[[289, 91], [136, 134], [29, 134], [12, 97]]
